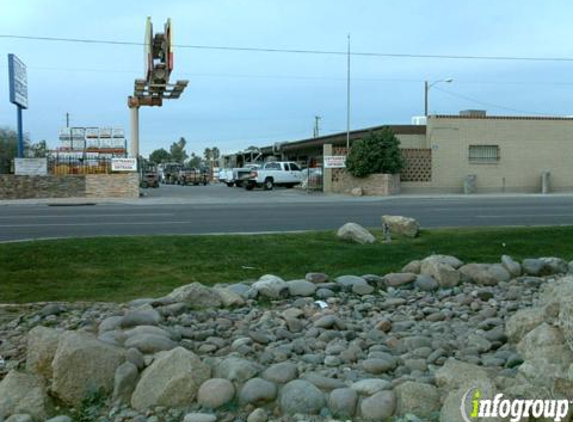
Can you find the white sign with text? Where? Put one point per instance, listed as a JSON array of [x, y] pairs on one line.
[[30, 166], [124, 164], [335, 161]]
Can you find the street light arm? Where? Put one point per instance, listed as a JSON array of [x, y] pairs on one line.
[[447, 80]]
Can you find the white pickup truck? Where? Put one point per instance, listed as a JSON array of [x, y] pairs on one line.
[[276, 173]]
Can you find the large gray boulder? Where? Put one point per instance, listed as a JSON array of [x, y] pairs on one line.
[[271, 286], [83, 366], [124, 383], [399, 279], [136, 317], [342, 402], [422, 400], [301, 288], [42, 346], [23, 393], [378, 407], [281, 373], [445, 274], [229, 297], [215, 393], [403, 226], [545, 341], [300, 396], [150, 343], [454, 374], [257, 391], [370, 386], [196, 296], [512, 266], [451, 410], [450, 260], [355, 233], [172, 380], [522, 322], [237, 370]]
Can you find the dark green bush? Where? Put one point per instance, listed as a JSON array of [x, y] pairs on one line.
[[378, 152]]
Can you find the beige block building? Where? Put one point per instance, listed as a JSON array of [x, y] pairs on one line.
[[505, 153]]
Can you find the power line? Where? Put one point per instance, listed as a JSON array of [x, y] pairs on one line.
[[487, 104], [295, 51], [297, 77]]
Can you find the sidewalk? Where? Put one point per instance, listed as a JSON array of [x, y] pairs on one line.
[[265, 198]]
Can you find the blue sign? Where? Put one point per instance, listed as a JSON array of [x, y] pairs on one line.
[[18, 81]]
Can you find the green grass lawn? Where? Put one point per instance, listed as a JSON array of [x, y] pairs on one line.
[[124, 268]]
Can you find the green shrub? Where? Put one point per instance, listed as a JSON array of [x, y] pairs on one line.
[[378, 152]]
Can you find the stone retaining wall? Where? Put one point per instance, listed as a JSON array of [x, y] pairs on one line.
[[375, 184], [112, 185], [30, 187], [70, 186]]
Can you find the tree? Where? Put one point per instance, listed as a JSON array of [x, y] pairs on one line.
[[208, 154], [38, 150], [159, 156], [195, 162], [215, 153], [177, 151], [378, 152]]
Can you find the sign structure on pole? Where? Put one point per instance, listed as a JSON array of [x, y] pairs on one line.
[[148, 49], [124, 164], [30, 166], [334, 161], [18, 81]]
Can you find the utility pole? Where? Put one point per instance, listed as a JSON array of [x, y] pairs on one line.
[[316, 126], [348, 97]]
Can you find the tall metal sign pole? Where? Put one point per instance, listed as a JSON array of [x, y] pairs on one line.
[[348, 97], [151, 91], [18, 94]]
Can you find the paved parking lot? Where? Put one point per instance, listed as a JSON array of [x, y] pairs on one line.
[[219, 193]]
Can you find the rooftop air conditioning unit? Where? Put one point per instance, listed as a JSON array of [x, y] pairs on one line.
[[473, 113], [419, 120]]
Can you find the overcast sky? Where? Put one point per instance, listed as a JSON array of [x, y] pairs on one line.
[[236, 98]]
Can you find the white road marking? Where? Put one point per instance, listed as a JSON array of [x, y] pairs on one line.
[[524, 215], [165, 214], [101, 223]]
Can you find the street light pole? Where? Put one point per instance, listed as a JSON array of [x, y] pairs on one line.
[[427, 86]]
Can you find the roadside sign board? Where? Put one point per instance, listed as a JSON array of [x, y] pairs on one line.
[[334, 161], [148, 49], [124, 164], [30, 166], [18, 81]]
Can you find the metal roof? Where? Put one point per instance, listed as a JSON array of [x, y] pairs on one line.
[[339, 139]]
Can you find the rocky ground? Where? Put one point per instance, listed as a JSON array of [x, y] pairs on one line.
[[402, 346]]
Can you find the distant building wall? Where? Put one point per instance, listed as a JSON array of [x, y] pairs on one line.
[[506, 154]]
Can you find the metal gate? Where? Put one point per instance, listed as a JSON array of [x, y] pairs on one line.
[[313, 178]]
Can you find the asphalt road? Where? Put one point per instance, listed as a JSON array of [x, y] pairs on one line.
[[20, 222]]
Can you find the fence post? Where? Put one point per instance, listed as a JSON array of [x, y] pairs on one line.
[[326, 173]]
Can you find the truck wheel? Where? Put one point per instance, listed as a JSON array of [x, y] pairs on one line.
[[239, 184], [230, 184], [268, 184], [249, 186]]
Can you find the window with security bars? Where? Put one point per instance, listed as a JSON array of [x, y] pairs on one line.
[[484, 154]]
